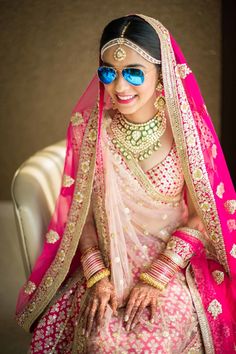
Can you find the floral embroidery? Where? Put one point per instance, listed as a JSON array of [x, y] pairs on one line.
[[182, 70], [32, 306], [48, 281], [214, 151], [29, 288], [92, 135], [77, 119], [85, 166], [233, 251], [214, 308], [191, 140], [61, 255], [71, 227], [79, 197], [52, 236], [205, 206], [231, 223], [67, 181], [220, 190], [230, 206], [218, 276], [197, 174]]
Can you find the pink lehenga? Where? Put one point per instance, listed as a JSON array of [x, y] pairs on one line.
[[136, 213]]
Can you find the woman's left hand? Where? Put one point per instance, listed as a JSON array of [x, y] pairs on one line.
[[141, 296]]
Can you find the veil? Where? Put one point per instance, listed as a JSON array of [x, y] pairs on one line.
[[208, 181]]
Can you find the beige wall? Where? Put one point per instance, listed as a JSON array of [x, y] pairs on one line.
[[49, 53]]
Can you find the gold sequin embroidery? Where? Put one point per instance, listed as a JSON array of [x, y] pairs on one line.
[[218, 276], [182, 70], [29, 287], [220, 190], [77, 119], [233, 251], [48, 282], [230, 206], [214, 308], [67, 181], [79, 197], [52, 236], [85, 166]]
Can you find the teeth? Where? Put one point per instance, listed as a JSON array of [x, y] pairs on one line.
[[125, 97]]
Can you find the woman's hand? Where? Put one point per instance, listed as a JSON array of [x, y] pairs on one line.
[[141, 296], [101, 294]]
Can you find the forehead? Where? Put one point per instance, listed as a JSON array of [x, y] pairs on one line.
[[132, 57]]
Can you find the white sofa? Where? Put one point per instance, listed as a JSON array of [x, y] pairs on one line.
[[35, 187]]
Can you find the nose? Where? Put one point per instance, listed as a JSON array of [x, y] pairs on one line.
[[120, 84]]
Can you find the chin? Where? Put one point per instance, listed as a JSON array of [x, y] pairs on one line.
[[127, 110]]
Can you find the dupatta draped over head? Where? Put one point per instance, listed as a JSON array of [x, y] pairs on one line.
[[212, 283]]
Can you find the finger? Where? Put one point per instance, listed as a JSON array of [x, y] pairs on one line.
[[132, 315], [91, 316], [101, 311], [153, 310], [85, 314], [114, 304], [138, 314], [129, 307]]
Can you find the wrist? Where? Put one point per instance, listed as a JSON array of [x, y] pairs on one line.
[[93, 266]]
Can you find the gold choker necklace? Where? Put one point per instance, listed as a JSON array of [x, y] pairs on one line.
[[139, 140]]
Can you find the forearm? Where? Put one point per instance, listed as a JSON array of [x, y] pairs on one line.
[[89, 236]]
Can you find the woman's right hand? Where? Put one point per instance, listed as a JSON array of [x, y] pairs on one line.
[[101, 294]]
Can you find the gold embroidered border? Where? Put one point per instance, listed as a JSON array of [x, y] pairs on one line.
[[76, 219], [194, 233], [195, 173], [203, 322]]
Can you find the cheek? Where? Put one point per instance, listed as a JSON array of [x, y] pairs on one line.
[[147, 90], [108, 89]]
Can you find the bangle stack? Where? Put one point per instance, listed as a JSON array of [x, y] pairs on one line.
[[160, 273], [93, 266]]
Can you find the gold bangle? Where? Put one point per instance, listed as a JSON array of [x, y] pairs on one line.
[[146, 278], [98, 276]]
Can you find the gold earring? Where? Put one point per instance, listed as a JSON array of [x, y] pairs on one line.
[[160, 103]]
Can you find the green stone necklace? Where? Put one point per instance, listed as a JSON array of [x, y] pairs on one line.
[[139, 140]]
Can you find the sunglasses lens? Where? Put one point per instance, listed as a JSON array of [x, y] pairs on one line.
[[106, 75], [133, 76]]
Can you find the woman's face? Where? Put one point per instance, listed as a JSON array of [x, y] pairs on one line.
[[132, 101]]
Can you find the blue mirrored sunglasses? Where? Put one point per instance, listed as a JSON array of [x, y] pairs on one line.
[[133, 76]]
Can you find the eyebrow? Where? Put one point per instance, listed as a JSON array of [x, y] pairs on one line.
[[126, 66]]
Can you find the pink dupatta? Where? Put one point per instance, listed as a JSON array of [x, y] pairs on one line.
[[211, 280]]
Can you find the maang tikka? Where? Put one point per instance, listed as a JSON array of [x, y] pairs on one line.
[[120, 53]]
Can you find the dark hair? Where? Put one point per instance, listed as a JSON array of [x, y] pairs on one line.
[[138, 31]]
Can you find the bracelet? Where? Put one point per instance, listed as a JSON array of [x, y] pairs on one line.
[[92, 262], [148, 279], [98, 276], [88, 250]]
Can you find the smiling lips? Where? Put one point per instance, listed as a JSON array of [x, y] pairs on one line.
[[124, 99]]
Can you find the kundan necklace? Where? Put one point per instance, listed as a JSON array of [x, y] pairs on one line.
[[139, 140]]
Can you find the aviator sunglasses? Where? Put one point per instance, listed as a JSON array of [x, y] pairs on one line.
[[133, 76]]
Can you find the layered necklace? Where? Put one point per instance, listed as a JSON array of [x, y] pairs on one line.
[[138, 140]]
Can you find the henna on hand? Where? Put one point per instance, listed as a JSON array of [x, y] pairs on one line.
[[101, 294], [141, 296]]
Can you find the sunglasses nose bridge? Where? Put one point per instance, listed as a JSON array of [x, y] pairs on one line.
[[120, 82]]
